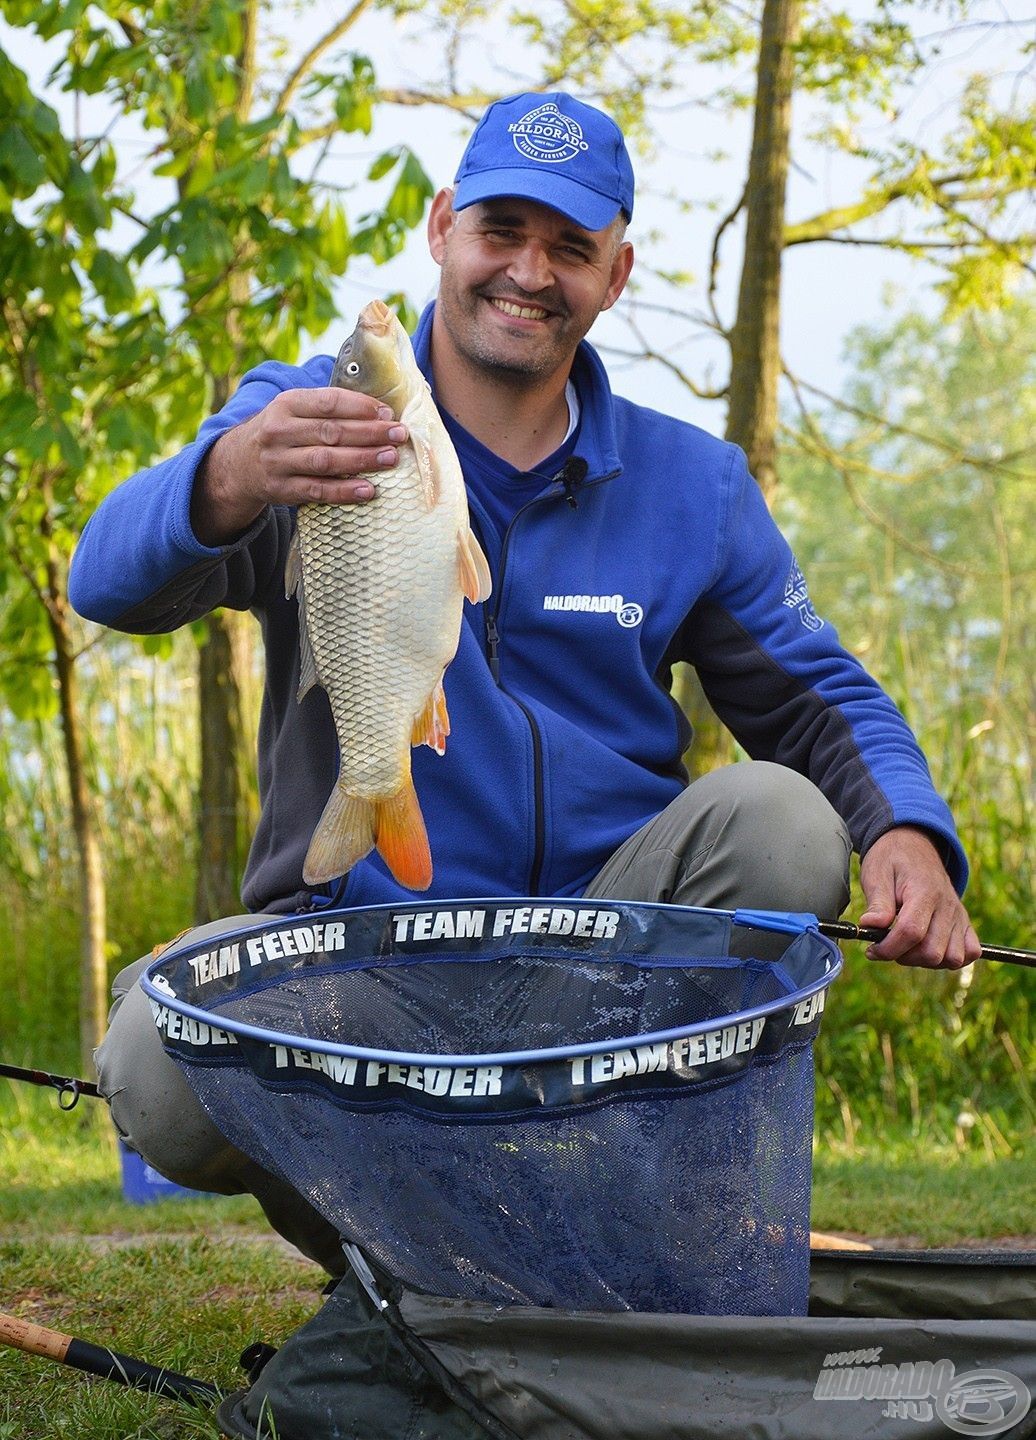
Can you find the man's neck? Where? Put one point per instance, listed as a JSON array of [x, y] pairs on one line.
[[522, 419]]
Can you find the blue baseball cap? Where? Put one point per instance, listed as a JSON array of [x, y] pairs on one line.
[[552, 149]]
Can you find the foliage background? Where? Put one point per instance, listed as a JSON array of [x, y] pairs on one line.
[[907, 493]]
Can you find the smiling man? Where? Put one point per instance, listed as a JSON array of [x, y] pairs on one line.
[[620, 542]]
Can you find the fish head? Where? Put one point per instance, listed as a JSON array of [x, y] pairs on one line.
[[377, 359]]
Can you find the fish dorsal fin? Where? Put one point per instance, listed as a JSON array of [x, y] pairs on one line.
[[475, 579]]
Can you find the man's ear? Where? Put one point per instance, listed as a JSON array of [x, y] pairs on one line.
[[621, 267], [440, 223]]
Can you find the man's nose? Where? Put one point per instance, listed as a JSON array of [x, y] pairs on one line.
[[530, 268]]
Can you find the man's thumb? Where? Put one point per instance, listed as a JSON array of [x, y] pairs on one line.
[[881, 910]]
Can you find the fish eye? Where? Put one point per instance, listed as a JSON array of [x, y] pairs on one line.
[[352, 368]]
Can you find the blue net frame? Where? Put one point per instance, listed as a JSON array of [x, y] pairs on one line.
[[598, 1106]]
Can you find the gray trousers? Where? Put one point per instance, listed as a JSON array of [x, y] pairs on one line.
[[753, 835]]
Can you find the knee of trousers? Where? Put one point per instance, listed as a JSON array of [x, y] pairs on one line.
[[152, 1106], [788, 845]]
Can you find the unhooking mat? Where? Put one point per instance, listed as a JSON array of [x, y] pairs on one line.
[[597, 1106]]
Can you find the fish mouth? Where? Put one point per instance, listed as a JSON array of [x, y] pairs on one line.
[[376, 317]]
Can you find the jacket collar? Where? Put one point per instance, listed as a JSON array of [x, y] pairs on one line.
[[598, 444]]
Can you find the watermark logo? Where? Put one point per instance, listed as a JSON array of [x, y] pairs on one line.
[[978, 1402], [545, 134], [627, 612]]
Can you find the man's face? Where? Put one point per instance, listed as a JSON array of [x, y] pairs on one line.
[[521, 284]]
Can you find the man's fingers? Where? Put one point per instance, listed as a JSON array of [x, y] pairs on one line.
[[329, 462], [330, 402], [972, 945], [907, 935], [292, 446], [335, 490]]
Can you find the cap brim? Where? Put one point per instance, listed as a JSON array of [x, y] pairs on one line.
[[558, 192]]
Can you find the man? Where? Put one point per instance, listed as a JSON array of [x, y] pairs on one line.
[[620, 541]]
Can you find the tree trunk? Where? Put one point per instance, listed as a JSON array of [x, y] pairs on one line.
[[226, 793], [93, 925], [755, 340]]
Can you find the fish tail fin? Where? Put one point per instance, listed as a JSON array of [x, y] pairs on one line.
[[402, 839], [344, 834], [432, 724]]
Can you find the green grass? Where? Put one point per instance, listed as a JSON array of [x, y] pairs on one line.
[[189, 1283], [931, 1198]]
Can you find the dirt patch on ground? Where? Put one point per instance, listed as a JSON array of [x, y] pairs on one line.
[[126, 1240], [914, 1242]]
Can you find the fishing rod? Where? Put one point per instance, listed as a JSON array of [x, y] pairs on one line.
[[108, 1364], [844, 930], [68, 1087]]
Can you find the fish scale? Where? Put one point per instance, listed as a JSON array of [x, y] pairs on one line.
[[381, 588]]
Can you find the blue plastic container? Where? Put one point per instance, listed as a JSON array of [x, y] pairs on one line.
[[143, 1185]]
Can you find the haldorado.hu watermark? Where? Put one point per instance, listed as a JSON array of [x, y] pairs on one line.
[[976, 1402]]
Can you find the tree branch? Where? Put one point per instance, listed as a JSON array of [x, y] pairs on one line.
[[315, 51], [714, 260], [954, 452], [246, 60]]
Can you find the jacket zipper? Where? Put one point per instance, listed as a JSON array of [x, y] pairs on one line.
[[493, 656]]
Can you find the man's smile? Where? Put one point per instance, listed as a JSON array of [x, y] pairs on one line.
[[518, 311]]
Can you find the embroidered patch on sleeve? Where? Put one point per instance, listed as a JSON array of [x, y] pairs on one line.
[[796, 597]]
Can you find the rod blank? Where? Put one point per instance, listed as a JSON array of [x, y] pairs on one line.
[[843, 930], [107, 1364]]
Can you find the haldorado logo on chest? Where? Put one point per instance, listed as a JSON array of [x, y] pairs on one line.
[[627, 612]]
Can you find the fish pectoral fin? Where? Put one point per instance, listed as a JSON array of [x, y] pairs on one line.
[[433, 723], [428, 467], [475, 579], [402, 840], [344, 834]]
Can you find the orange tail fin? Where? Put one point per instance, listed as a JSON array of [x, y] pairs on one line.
[[401, 838]]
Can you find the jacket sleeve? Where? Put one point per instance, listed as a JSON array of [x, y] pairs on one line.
[[774, 672], [139, 566]]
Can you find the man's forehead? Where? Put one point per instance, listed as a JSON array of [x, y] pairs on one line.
[[518, 211]]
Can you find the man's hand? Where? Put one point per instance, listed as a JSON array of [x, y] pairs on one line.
[[307, 445], [907, 888]]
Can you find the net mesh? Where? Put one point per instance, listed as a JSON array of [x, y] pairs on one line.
[[665, 1175]]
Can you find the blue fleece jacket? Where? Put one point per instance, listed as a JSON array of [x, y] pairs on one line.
[[565, 739]]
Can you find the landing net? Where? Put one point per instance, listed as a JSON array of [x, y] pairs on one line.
[[594, 1106]]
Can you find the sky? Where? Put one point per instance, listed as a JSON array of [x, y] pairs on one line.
[[699, 156]]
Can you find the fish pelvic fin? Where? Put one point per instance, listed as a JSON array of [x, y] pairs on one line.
[[293, 566], [307, 660], [344, 834], [433, 723], [402, 840], [475, 579]]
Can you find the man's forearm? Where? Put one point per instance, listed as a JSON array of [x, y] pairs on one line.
[[221, 509]]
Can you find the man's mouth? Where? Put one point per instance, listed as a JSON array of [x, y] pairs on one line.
[[519, 312]]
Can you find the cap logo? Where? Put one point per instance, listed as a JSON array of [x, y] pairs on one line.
[[547, 135]]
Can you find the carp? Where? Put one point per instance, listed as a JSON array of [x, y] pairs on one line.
[[380, 588]]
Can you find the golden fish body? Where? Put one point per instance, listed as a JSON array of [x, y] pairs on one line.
[[381, 587]]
